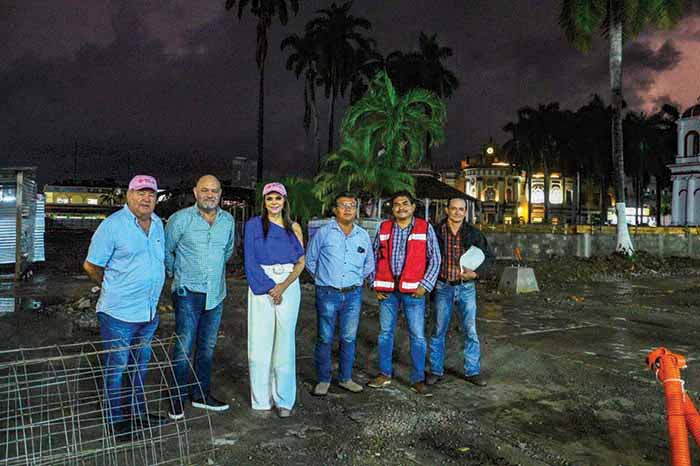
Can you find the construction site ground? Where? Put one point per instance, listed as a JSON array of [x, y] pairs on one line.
[[565, 367]]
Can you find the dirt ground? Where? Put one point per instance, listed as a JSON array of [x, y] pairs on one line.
[[567, 382]]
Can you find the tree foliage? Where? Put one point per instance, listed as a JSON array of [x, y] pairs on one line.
[[384, 120]]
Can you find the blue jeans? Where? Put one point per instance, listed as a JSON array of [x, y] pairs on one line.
[[444, 299], [194, 322], [331, 304], [128, 350], [414, 310]]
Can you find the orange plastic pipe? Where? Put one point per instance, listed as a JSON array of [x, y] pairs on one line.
[[668, 370], [692, 418]]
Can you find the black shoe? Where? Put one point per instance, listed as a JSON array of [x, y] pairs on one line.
[[432, 379], [475, 379], [209, 403], [176, 410], [150, 420]]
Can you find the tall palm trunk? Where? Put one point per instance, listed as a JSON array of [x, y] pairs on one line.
[[261, 118], [624, 242], [331, 124], [428, 153], [315, 123]]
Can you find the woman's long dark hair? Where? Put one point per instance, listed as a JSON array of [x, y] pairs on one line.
[[286, 217]]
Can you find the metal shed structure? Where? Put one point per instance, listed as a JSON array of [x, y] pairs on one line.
[[21, 219]]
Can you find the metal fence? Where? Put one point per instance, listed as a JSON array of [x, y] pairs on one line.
[[53, 410]]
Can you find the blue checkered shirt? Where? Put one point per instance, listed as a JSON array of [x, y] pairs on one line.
[[196, 252], [398, 254]]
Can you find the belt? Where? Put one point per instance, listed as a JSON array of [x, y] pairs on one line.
[[453, 282], [344, 290]]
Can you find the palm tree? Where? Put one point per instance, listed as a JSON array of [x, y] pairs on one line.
[[395, 124], [338, 36], [303, 58], [437, 78], [592, 146], [667, 119], [112, 198], [423, 69], [355, 168], [544, 130], [521, 152], [266, 11], [580, 19]]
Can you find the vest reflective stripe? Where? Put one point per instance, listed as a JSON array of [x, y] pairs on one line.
[[383, 284], [414, 264]]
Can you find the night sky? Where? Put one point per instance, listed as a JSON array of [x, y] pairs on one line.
[[169, 87]]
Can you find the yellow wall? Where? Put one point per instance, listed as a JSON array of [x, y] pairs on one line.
[[73, 198]]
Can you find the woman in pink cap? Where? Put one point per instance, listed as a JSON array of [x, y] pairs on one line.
[[274, 258]]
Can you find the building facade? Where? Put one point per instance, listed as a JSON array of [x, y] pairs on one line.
[[685, 172]]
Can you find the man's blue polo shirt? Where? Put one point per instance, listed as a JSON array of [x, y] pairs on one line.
[[134, 270], [339, 260]]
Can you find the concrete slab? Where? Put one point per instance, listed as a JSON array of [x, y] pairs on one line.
[[518, 280]]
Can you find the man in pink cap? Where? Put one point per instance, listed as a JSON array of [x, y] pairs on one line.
[[126, 258]]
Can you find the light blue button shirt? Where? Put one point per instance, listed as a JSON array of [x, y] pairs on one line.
[[134, 270], [196, 252], [339, 260]]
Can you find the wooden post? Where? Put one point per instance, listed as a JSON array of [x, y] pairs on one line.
[[18, 225], [427, 209]]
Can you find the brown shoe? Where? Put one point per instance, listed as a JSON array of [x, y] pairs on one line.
[[475, 379], [422, 389], [380, 381], [432, 379]]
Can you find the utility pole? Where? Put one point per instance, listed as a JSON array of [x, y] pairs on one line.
[[75, 161]]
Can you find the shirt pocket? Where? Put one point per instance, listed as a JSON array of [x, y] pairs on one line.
[[356, 257]]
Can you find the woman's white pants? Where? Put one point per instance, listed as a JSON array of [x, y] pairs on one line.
[[271, 343]]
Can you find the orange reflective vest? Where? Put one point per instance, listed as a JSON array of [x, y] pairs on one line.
[[416, 258]]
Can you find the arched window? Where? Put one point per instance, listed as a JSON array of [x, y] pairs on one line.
[[692, 144]]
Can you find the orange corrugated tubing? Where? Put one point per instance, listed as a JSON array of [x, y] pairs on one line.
[[669, 373], [692, 418]]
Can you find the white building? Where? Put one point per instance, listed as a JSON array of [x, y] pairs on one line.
[[685, 173]]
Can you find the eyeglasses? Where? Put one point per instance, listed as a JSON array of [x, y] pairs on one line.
[[347, 205]]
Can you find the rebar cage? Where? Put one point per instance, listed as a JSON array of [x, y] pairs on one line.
[[54, 410]]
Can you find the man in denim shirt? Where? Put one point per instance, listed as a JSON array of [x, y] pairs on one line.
[[198, 243], [126, 259], [339, 257]]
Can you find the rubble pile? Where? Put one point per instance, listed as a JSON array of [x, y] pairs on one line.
[[558, 272]]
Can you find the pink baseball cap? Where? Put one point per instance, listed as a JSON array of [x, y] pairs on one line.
[[274, 188], [143, 182]]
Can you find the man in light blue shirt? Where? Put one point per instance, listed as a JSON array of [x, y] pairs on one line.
[[198, 243], [339, 257], [126, 259]]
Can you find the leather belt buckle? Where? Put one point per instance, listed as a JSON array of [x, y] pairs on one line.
[[346, 289]]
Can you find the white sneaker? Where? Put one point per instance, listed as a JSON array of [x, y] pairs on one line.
[[351, 386], [321, 389]]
